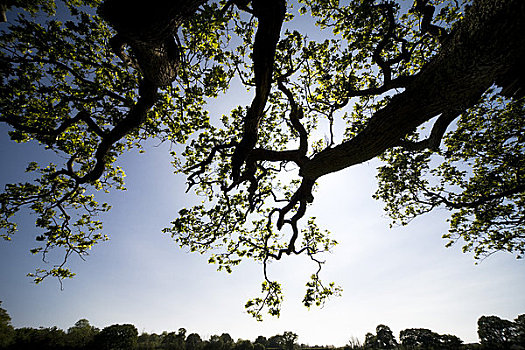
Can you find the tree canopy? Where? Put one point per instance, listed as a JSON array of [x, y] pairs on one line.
[[497, 333], [434, 88]]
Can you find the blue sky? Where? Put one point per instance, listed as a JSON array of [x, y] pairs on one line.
[[402, 277]]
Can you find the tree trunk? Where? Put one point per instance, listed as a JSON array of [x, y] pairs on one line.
[[149, 28]]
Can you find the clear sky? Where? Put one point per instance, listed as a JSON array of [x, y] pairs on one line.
[[402, 277]]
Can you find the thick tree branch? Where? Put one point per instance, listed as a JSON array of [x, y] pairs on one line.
[[149, 31], [448, 82], [298, 155], [296, 114], [302, 196], [385, 66], [270, 14], [135, 117]]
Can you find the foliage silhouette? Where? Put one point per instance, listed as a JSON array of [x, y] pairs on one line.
[[110, 74]]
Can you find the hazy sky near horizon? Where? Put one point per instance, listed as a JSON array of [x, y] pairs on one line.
[[402, 277]]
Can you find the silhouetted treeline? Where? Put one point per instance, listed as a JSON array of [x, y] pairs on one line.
[[494, 334]]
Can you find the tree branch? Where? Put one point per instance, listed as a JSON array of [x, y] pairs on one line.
[[434, 140], [136, 116], [51, 135], [446, 83], [271, 16], [427, 13], [519, 188], [201, 166]]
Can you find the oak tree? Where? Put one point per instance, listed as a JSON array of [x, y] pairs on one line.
[[110, 74]]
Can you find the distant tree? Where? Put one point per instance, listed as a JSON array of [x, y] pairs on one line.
[[147, 341], [7, 331], [450, 342], [194, 342], [383, 339], [24, 336], [117, 337], [275, 342], [50, 338], [219, 342], [370, 341], [519, 323], [258, 346], [242, 344], [182, 333], [81, 334], [227, 341], [170, 341], [289, 340], [261, 340], [496, 333], [425, 339], [175, 341], [419, 338], [285, 341], [213, 343]]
